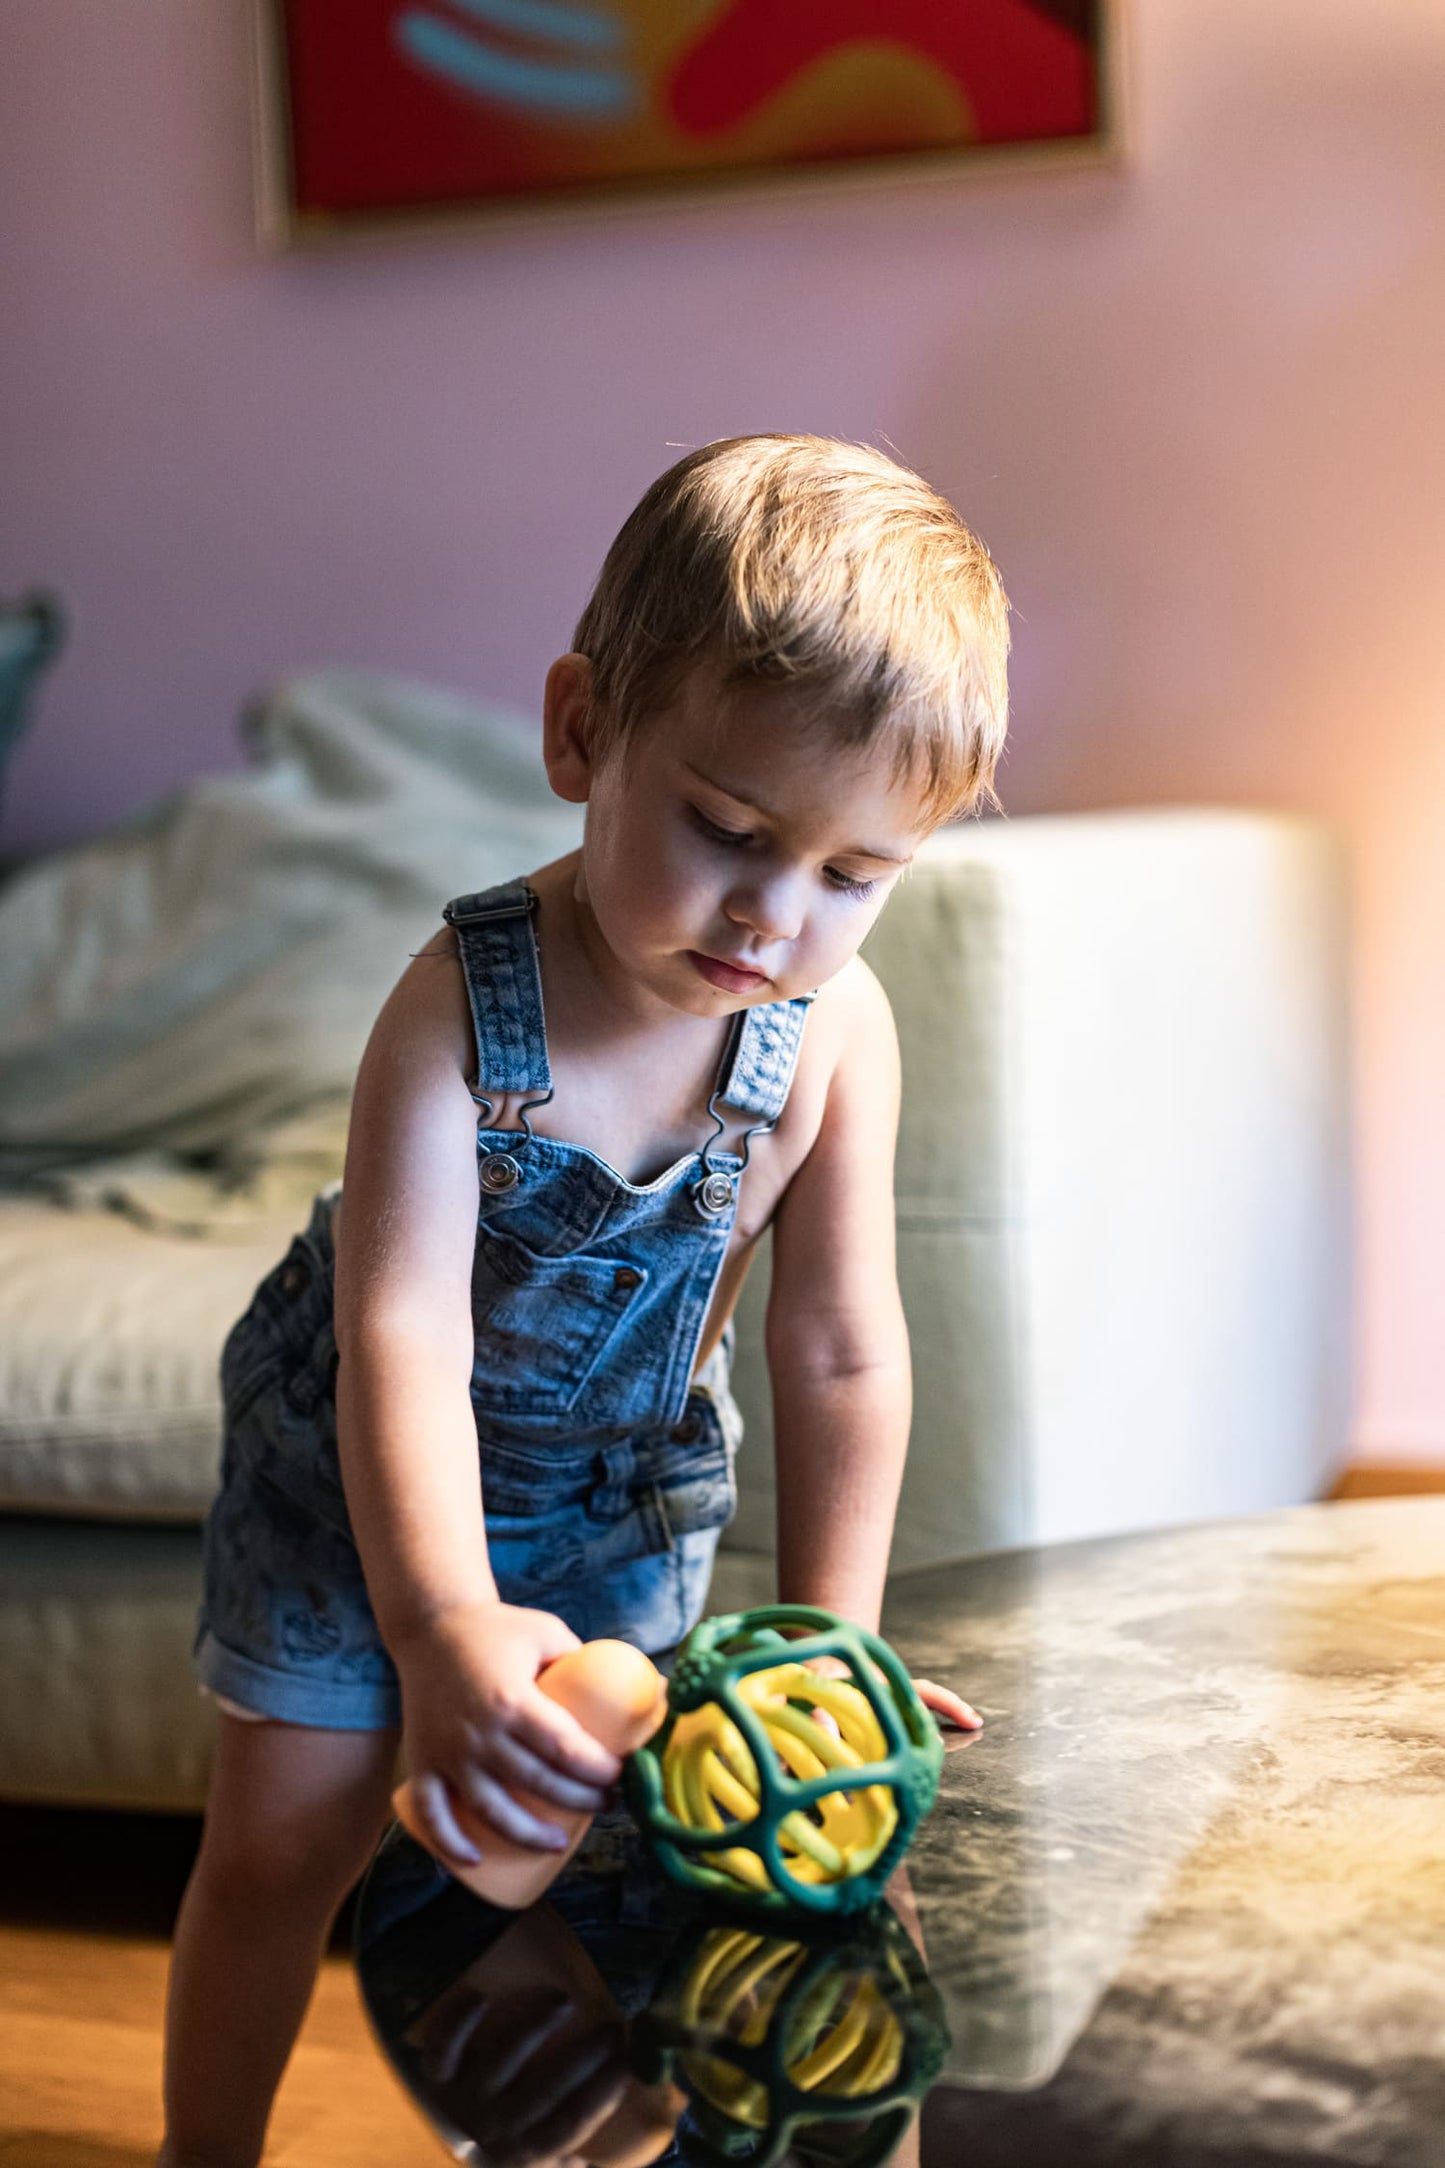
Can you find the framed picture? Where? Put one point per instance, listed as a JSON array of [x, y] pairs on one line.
[[377, 109]]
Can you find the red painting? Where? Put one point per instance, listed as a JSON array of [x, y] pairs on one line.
[[392, 105]]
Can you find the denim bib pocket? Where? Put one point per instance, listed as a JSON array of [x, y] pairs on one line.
[[542, 1323]]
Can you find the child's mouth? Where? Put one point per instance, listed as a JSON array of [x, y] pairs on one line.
[[732, 978]]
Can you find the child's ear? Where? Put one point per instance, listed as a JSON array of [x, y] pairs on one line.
[[567, 728]]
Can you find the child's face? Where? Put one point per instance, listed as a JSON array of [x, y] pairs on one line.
[[732, 856]]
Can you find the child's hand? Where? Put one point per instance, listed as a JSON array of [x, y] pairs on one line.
[[478, 1727], [944, 1702], [941, 1699]]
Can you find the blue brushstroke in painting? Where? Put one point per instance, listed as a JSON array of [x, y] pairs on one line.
[[547, 22], [507, 78]]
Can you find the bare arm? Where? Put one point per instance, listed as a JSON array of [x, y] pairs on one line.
[[476, 1725], [836, 1340], [838, 1344], [403, 1314]]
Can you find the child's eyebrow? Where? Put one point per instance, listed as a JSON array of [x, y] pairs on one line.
[[753, 805]]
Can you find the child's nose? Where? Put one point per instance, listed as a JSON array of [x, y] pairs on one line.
[[772, 908]]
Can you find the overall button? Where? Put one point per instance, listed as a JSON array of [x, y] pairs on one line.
[[625, 1278], [688, 1431], [713, 1195], [498, 1172], [611, 1496]]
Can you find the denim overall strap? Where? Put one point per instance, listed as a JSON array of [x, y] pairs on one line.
[[504, 988], [762, 1055]]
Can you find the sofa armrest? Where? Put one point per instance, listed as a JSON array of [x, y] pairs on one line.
[[1123, 1202]]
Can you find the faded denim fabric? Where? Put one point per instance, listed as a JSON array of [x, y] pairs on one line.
[[606, 1465]]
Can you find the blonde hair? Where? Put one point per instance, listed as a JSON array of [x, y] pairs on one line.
[[803, 562]]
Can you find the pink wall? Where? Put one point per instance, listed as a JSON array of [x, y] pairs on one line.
[[1195, 405]]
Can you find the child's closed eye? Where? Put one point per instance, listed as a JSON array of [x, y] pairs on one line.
[[847, 883], [714, 830], [734, 838]]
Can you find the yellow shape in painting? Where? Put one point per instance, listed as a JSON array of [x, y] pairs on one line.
[[870, 97]]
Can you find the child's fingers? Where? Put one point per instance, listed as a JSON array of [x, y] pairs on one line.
[[584, 2092], [541, 2017], [829, 1667], [517, 1764], [444, 2047], [552, 1637], [508, 1816], [432, 1807], [944, 1702], [554, 1734]]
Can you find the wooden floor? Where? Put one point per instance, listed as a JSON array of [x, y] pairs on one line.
[[86, 1906], [1379, 1479]]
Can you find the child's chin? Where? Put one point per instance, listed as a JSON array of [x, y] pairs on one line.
[[700, 1000], [685, 988]]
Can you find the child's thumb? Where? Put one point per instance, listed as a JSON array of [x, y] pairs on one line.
[[554, 1638]]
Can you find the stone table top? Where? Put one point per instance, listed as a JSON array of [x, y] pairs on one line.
[[1183, 1898], [1185, 1894]]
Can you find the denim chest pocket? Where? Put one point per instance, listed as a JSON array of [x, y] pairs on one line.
[[543, 1323]]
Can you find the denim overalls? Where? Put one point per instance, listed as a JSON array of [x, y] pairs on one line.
[[606, 1466]]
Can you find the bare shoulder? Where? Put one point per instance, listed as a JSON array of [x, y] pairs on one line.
[[426, 1019], [409, 1211], [847, 1081], [834, 1217], [858, 991], [853, 1020]]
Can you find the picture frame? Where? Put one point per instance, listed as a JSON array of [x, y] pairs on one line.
[[387, 113]]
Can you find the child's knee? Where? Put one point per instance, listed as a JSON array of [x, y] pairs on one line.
[[260, 1864], [294, 1817]]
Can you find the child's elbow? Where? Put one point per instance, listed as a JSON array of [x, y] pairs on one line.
[[838, 1349]]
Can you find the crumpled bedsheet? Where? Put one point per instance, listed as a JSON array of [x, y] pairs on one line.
[[183, 1002]]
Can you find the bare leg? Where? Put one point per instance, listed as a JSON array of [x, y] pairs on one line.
[[291, 1820]]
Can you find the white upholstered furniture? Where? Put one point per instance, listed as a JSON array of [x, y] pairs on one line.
[[1123, 1220], [1123, 1195]]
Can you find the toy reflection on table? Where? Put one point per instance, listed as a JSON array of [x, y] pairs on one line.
[[625, 2021], [784, 1774], [525, 2058], [796, 2048]]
